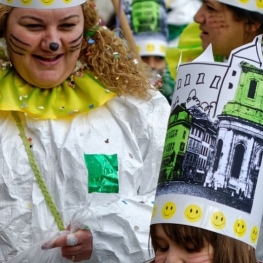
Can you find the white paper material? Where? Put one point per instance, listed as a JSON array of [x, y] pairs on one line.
[[131, 128], [42, 4], [252, 5], [211, 167]]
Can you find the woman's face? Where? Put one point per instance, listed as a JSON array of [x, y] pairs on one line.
[[168, 251], [29, 34], [156, 63], [219, 27]]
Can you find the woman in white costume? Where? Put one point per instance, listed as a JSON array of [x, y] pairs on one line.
[[81, 136]]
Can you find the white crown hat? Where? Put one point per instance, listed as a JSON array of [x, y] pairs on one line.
[[151, 45], [251, 5], [147, 19], [211, 173], [42, 4]]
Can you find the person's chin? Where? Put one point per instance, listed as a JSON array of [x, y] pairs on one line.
[[46, 83], [48, 79]]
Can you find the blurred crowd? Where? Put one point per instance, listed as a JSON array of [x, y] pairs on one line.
[[157, 27]]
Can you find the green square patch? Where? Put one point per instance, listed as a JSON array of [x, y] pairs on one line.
[[103, 173]]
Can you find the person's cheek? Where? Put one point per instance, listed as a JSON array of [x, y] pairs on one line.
[[217, 22], [160, 258]]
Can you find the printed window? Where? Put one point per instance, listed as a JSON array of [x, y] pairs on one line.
[[182, 145], [187, 80], [179, 83], [230, 85], [215, 82], [201, 78], [252, 89], [184, 134]]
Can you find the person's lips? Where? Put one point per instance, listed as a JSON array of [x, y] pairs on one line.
[[48, 60]]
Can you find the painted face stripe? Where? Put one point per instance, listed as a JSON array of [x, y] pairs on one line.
[[74, 48], [21, 54], [77, 39], [21, 42], [78, 45]]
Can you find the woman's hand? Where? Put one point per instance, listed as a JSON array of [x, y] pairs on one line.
[[77, 246]]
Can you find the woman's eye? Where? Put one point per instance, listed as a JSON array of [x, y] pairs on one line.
[[210, 8], [34, 26], [163, 249], [67, 26]]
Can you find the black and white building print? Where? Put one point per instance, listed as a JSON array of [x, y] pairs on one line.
[[223, 154]]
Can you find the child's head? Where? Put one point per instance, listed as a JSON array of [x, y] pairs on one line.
[[174, 243]]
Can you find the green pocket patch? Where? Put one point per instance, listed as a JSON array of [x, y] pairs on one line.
[[103, 173]]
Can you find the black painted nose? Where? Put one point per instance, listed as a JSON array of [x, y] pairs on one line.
[[53, 46]]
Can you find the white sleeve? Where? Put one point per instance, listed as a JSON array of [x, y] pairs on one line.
[[157, 126], [123, 232]]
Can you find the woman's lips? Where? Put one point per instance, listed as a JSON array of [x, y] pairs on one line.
[[48, 60]]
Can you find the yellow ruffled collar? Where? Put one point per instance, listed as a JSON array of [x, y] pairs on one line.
[[80, 93]]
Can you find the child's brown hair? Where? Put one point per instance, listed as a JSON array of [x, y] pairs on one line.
[[226, 249]]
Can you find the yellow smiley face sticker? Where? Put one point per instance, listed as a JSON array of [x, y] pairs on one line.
[[47, 2], [154, 210], [240, 227], [168, 210], [150, 47], [193, 213], [254, 234], [259, 3], [163, 49], [26, 2], [218, 220]]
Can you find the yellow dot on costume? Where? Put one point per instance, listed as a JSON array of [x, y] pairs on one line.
[[150, 47], [47, 2], [218, 220], [193, 213], [154, 210], [25, 2], [168, 210], [9, 1], [254, 234], [259, 3], [138, 48], [67, 1], [240, 227], [244, 1]]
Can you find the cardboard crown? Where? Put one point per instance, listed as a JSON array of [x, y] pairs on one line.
[[211, 172], [251, 5], [42, 4], [147, 19]]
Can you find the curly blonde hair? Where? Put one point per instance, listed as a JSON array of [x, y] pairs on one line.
[[107, 55]]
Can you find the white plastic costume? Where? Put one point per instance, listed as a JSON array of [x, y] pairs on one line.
[[131, 128]]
